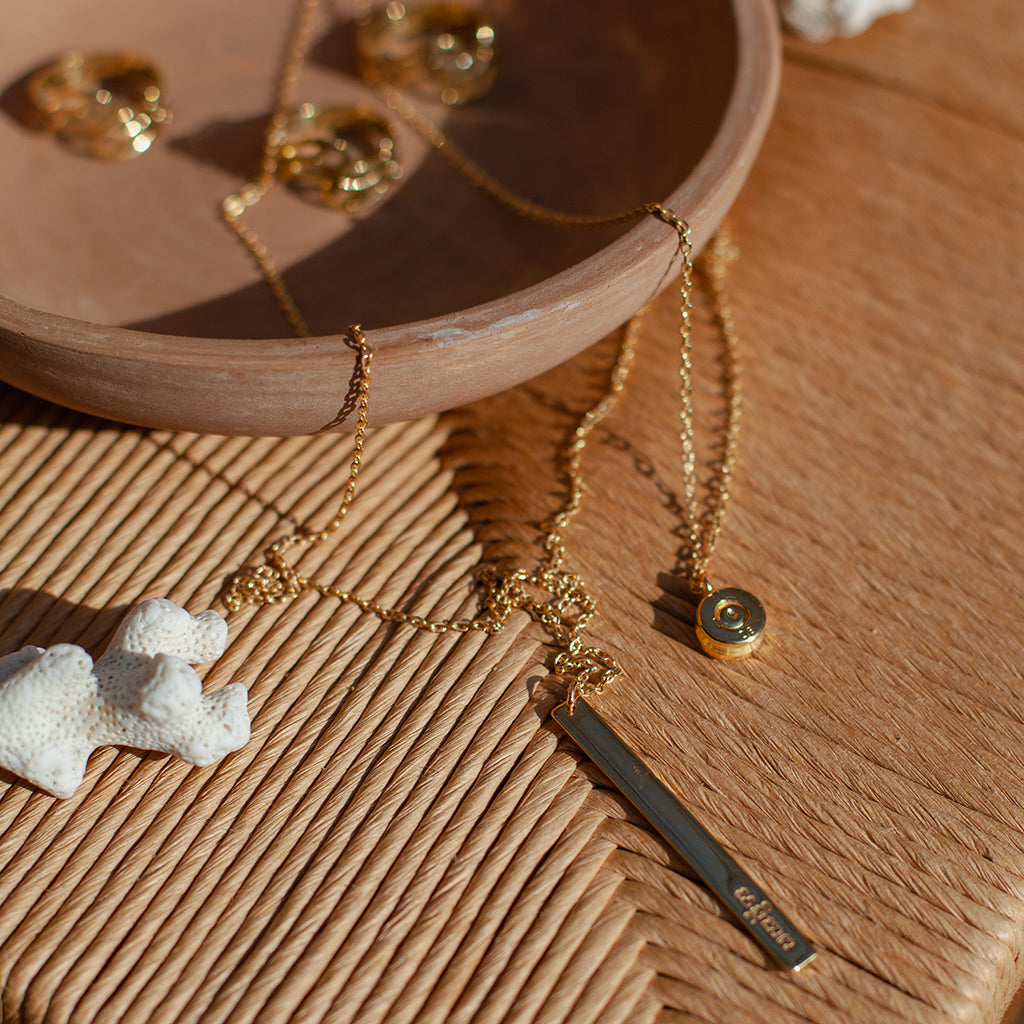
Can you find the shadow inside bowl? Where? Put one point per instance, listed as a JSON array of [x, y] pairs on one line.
[[596, 107]]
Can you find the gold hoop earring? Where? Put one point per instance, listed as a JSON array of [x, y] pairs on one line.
[[109, 106], [443, 51], [341, 157]]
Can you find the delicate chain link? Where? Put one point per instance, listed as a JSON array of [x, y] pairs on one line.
[[489, 185], [234, 206], [704, 528], [549, 594], [232, 209]]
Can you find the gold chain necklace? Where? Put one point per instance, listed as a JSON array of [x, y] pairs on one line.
[[551, 594], [730, 622]]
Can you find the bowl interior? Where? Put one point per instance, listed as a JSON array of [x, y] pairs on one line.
[[597, 107]]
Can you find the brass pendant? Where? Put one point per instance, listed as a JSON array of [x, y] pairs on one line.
[[736, 890], [730, 623]]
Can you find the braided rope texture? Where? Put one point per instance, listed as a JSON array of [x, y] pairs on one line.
[[407, 837]]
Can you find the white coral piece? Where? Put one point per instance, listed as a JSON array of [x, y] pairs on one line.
[[820, 20], [57, 706]]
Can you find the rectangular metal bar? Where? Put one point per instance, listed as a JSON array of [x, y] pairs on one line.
[[737, 891]]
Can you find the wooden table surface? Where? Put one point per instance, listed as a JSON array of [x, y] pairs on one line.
[[407, 837]]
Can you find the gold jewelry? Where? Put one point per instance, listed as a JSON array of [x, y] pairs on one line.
[[342, 157], [110, 106], [551, 594], [440, 51], [559, 600], [730, 622]]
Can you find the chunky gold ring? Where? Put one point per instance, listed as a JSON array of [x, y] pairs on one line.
[[341, 157], [110, 106], [442, 51]]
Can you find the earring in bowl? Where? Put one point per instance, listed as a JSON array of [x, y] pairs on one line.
[[342, 157], [440, 51], [109, 106]]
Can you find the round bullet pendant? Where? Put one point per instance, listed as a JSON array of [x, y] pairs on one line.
[[730, 623]]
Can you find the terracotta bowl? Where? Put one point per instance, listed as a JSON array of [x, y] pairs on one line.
[[125, 296]]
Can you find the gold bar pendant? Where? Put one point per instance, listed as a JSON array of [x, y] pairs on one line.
[[738, 892]]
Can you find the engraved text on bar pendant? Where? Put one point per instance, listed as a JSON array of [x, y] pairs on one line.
[[685, 834]]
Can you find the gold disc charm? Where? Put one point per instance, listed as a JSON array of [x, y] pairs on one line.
[[730, 623]]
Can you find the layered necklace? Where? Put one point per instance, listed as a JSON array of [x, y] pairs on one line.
[[730, 622], [346, 159]]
